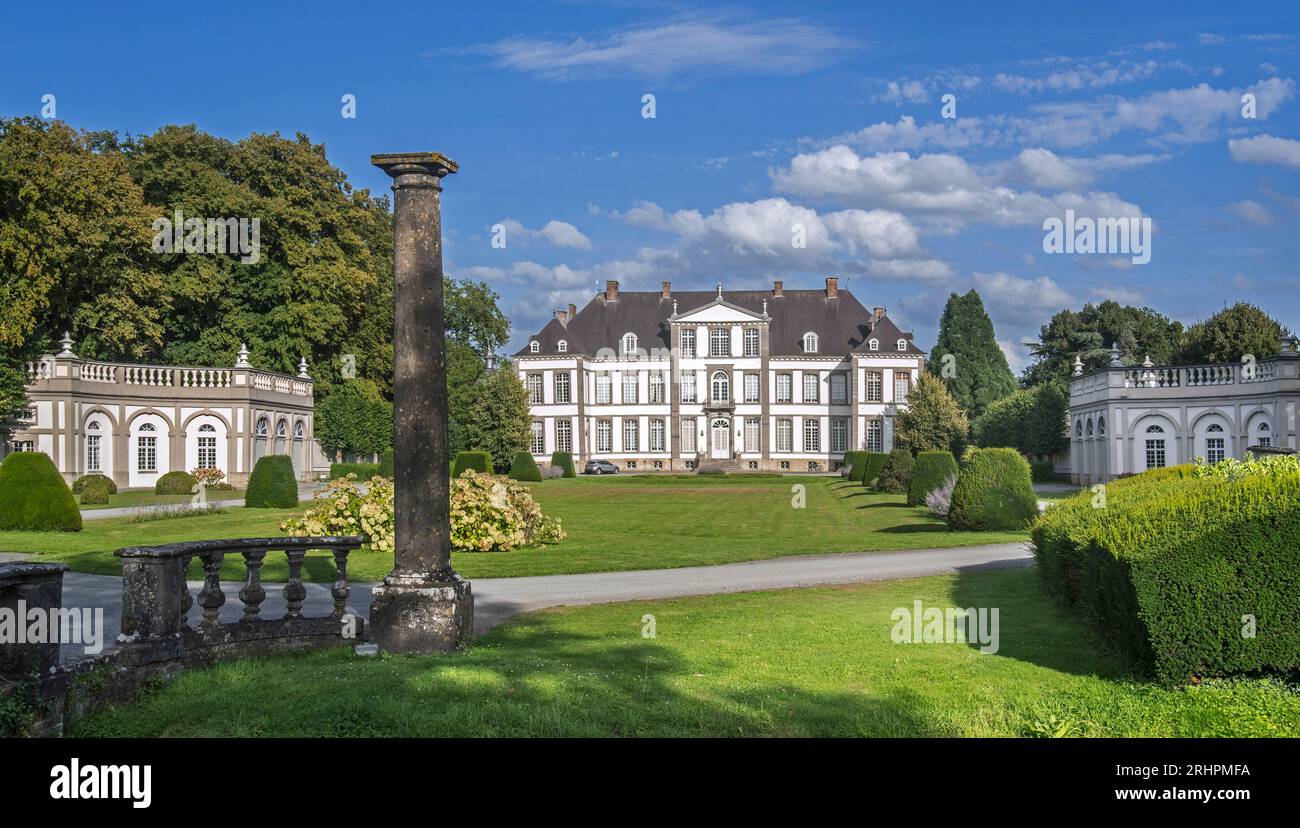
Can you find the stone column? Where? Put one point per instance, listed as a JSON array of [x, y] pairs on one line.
[[423, 606]]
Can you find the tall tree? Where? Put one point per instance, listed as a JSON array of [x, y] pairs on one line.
[[1032, 421], [966, 356], [497, 420], [932, 420], [1231, 334], [1089, 333]]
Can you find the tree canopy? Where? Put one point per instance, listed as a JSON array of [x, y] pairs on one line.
[[1033, 421], [977, 373], [1090, 333], [932, 420], [1231, 334]]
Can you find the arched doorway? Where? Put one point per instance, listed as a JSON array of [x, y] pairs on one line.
[[721, 443]]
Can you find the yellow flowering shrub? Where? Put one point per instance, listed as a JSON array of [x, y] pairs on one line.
[[488, 514]]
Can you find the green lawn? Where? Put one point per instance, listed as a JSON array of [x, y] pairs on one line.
[[791, 663], [146, 497], [613, 524]]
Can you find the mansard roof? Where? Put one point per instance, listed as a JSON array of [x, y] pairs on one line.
[[842, 324]]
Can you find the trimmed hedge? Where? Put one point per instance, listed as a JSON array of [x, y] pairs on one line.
[[95, 492], [896, 474], [874, 464], [1043, 471], [564, 461], [932, 470], [479, 461], [80, 483], [176, 482], [854, 460], [524, 469], [363, 471], [34, 497], [1172, 569], [993, 492], [386, 464], [272, 484]]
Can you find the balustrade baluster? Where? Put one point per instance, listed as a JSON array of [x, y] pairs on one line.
[[187, 600], [341, 590], [252, 593], [294, 591], [211, 597]]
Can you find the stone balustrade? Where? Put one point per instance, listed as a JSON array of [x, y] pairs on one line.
[[1162, 378], [166, 376]]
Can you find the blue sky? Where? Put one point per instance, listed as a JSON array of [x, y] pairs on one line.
[[768, 115]]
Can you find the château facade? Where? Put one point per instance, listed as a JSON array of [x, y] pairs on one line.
[[134, 423], [748, 380], [1127, 419]]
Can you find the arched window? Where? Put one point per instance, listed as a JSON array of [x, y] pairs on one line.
[[1155, 429], [1215, 428], [562, 346], [629, 344], [147, 427], [297, 430], [1078, 428], [874, 344], [721, 386], [207, 429], [146, 449], [902, 344], [92, 426], [207, 447], [1263, 435], [1089, 427], [279, 429], [534, 347], [810, 343], [93, 452], [1101, 426], [261, 427]]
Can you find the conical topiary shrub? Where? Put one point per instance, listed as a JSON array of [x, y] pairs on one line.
[[932, 470], [563, 460], [272, 484], [524, 469], [479, 461], [896, 476], [33, 496]]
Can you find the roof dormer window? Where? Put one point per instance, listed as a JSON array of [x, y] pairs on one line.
[[562, 346], [902, 344], [810, 343], [874, 344], [535, 347], [629, 344]]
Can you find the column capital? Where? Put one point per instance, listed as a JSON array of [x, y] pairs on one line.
[[415, 169]]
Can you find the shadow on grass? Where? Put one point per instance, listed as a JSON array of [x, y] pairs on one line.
[[884, 505]]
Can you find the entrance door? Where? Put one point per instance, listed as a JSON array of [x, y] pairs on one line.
[[721, 439]]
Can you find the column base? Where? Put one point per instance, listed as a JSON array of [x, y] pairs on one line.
[[416, 615]]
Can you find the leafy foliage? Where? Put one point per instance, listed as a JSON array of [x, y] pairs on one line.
[[1032, 421], [993, 491], [496, 514], [930, 471], [932, 420], [939, 500], [34, 497], [479, 461], [80, 483], [272, 484], [563, 460], [363, 471], [354, 419], [896, 474], [175, 482], [980, 372], [343, 508], [95, 492], [497, 419], [1091, 332], [1231, 334], [386, 464], [524, 469]]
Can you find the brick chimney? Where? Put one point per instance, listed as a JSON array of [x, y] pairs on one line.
[[778, 289], [573, 311], [668, 290], [832, 287], [611, 291]]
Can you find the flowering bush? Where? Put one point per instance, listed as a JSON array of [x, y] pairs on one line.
[[488, 514], [1273, 465], [939, 501], [211, 478]]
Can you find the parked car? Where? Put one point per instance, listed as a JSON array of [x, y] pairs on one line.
[[600, 467]]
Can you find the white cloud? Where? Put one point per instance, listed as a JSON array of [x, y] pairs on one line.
[[687, 42], [1123, 295], [1266, 149], [1042, 168], [1082, 76], [896, 92], [1021, 301], [554, 233], [911, 270], [1251, 211]]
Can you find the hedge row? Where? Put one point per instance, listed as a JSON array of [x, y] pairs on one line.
[[479, 461], [1184, 576], [853, 460], [932, 470], [363, 471], [993, 492]]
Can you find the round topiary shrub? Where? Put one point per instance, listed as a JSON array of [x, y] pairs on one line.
[[34, 497], [95, 492], [931, 470], [177, 482], [563, 460], [272, 484], [993, 491], [524, 469], [896, 475], [80, 483], [479, 461], [386, 464]]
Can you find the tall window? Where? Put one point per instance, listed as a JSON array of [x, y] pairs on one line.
[[603, 389], [604, 435], [1263, 435], [562, 386], [688, 342], [207, 447], [875, 386], [1214, 443], [629, 387], [901, 382], [839, 388], [784, 388], [875, 436], [688, 435], [656, 435], [810, 343], [563, 435], [785, 434], [811, 383], [688, 386], [534, 389], [751, 342], [1155, 448], [719, 342], [631, 437], [146, 452], [92, 447], [629, 344], [538, 444], [261, 427], [751, 434], [751, 388], [656, 387], [812, 434], [721, 386], [839, 435]]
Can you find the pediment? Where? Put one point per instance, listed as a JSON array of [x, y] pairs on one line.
[[719, 310]]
